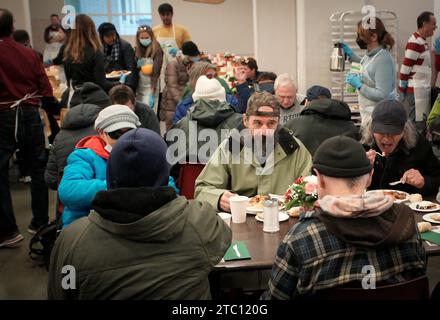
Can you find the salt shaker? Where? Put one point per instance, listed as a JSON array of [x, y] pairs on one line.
[[271, 216]]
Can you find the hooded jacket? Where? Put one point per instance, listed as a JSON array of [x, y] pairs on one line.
[[320, 120], [78, 124], [142, 244], [184, 105], [322, 251], [207, 114], [84, 176]]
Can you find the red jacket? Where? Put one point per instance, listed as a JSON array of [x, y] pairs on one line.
[[21, 73]]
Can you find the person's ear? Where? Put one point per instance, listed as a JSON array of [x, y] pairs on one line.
[[374, 37], [321, 182], [245, 121], [370, 178]]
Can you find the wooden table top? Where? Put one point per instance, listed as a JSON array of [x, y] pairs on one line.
[[263, 246]]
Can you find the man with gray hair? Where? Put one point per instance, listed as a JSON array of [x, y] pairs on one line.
[[287, 94]]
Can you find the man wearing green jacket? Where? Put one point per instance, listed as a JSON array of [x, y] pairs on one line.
[[264, 160], [142, 242]]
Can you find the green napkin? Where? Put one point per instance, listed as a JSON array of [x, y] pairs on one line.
[[242, 254], [430, 236]]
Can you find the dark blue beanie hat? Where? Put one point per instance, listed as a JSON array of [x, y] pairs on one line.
[[138, 160]]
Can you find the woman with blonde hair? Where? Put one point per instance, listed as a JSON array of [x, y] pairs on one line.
[[203, 68], [82, 56], [149, 58], [377, 80]]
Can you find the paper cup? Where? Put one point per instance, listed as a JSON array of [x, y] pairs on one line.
[[226, 217], [238, 208]]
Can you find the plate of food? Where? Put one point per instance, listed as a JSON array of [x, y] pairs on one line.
[[425, 206], [282, 217], [117, 74], [432, 217], [398, 196], [256, 204]]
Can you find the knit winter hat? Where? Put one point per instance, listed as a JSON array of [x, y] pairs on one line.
[[116, 117], [138, 160], [341, 157], [209, 89]]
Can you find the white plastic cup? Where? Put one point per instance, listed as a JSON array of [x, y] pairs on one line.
[[226, 217], [238, 208]]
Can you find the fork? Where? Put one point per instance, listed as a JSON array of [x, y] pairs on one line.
[[396, 183]]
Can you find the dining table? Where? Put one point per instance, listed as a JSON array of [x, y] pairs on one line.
[[263, 247]]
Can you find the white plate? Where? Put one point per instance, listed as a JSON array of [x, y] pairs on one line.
[[108, 76], [391, 190], [427, 217], [414, 206], [282, 217]]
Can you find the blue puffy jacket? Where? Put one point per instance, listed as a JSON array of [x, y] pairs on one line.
[[84, 176], [184, 105]]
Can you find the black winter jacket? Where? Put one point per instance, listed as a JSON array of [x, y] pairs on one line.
[[321, 120], [78, 124]]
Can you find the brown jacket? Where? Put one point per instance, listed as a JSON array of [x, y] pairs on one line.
[[176, 77]]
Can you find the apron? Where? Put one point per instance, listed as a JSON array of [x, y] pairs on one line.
[[422, 87], [145, 89], [51, 52], [366, 106], [52, 49], [16, 105], [166, 44]]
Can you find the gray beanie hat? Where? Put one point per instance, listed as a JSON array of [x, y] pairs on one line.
[[116, 117]]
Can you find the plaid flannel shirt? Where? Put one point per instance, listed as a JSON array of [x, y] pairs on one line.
[[116, 48], [310, 258]]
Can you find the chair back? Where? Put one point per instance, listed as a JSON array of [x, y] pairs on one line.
[[187, 179], [415, 289]]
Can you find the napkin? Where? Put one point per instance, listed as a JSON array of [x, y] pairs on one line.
[[430, 236], [237, 251]]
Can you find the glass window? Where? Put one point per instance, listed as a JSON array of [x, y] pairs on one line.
[[126, 15]]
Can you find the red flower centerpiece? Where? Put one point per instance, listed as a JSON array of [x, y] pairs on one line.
[[302, 194]]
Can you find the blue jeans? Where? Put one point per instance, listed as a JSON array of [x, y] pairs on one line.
[[31, 143]]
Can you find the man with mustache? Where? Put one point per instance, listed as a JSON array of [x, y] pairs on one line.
[[264, 159]]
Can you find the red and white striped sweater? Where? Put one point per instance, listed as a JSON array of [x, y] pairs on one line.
[[417, 50]]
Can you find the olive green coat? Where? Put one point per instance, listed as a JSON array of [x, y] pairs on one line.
[[291, 160]]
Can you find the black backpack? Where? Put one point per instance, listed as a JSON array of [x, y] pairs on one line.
[[42, 243]]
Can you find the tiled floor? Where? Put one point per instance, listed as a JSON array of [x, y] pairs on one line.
[[21, 279]]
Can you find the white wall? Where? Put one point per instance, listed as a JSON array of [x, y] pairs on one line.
[[407, 18], [40, 18], [215, 28], [318, 41], [20, 10], [276, 36]]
